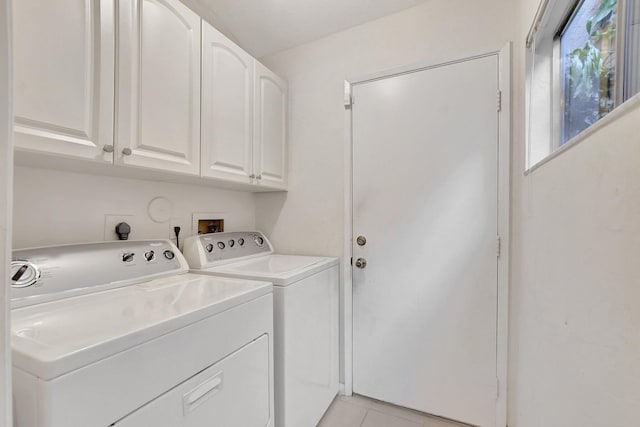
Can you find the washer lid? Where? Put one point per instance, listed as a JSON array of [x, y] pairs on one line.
[[281, 270], [54, 338]]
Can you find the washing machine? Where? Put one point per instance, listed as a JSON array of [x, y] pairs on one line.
[[306, 317], [120, 334]]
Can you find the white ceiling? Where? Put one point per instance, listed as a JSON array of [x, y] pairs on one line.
[[263, 27]]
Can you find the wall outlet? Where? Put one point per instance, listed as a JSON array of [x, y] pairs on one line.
[[110, 222]]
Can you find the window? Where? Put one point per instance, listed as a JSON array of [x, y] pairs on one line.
[[584, 62], [588, 55]]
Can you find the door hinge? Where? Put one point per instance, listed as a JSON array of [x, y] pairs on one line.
[[497, 387], [348, 97], [499, 101], [351, 260], [498, 246]]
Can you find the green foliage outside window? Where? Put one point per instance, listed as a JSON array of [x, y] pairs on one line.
[[591, 70]]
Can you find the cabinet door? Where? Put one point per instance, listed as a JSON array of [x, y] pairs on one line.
[[63, 77], [227, 108], [158, 122], [270, 147]]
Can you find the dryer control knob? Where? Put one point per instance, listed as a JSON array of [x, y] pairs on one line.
[[23, 274], [169, 254], [209, 248]]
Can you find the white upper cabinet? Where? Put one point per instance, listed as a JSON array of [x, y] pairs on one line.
[[243, 116], [158, 97], [227, 108], [153, 88], [64, 77], [270, 113]]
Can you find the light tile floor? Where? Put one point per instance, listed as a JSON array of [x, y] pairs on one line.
[[358, 411]]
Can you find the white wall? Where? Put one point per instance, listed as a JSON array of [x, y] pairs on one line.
[[575, 291], [6, 171], [309, 219], [56, 207]]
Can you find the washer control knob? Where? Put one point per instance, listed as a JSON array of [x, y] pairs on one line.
[[150, 256], [241, 241], [221, 245], [128, 257], [209, 248], [169, 254], [23, 274], [258, 240], [231, 243]]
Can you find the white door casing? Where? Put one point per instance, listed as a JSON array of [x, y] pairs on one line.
[[430, 185], [270, 146], [227, 108], [6, 208], [64, 77], [158, 98]]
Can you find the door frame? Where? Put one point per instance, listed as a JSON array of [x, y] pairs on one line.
[[503, 54], [6, 208]]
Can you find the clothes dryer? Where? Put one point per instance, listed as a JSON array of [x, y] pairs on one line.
[[120, 334]]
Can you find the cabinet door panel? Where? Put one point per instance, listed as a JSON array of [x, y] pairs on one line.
[[227, 103], [64, 77], [270, 158], [159, 86]]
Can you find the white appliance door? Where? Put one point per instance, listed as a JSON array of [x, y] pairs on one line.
[[425, 198], [232, 393]]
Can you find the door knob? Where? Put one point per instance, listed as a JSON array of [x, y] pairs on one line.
[[126, 151], [108, 148], [361, 263], [361, 240]]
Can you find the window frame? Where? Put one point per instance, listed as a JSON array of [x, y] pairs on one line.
[[549, 12]]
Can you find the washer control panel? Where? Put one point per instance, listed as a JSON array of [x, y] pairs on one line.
[[228, 246], [42, 273]]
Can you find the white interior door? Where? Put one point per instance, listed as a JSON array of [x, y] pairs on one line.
[[425, 183]]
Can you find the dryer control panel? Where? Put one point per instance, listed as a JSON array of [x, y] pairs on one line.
[[208, 250], [46, 274]]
